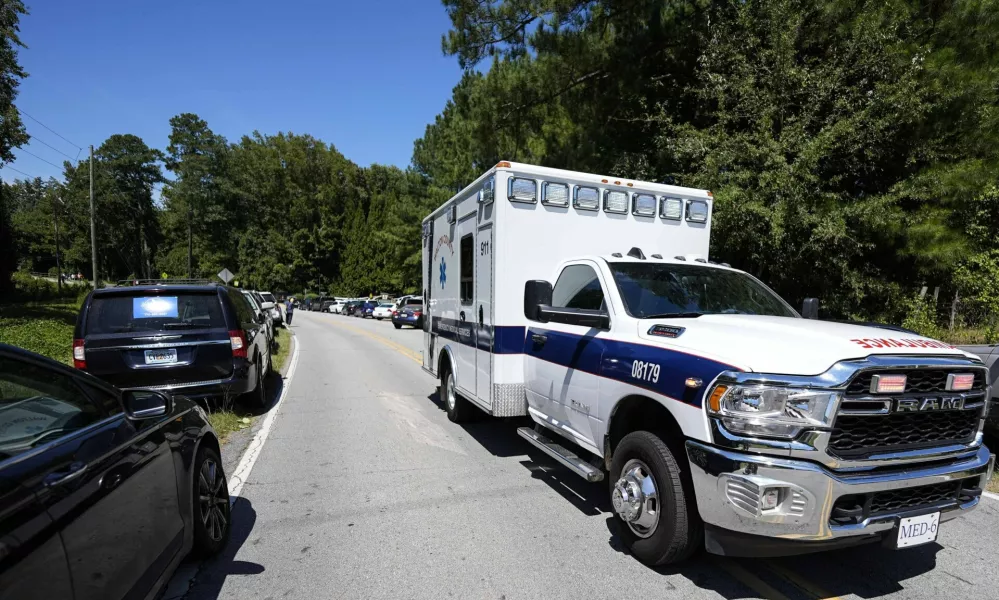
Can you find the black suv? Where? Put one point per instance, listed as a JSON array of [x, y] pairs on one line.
[[202, 340]]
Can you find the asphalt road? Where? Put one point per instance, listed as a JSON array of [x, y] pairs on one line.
[[364, 489]]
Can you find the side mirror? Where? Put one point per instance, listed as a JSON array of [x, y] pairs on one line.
[[536, 293], [810, 308], [267, 306], [145, 404]]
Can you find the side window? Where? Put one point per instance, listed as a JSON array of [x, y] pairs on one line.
[[467, 277], [38, 406], [578, 287], [240, 306]]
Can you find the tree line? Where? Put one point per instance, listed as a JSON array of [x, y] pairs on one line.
[[851, 147]]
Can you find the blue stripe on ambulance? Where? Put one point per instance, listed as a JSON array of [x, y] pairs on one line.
[[615, 359], [500, 339]]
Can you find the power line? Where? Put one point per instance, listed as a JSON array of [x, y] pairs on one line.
[[50, 129], [39, 158], [21, 172], [41, 141]]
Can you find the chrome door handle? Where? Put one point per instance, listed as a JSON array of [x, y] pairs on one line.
[[75, 471]]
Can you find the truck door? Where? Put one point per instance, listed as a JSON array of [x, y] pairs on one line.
[[563, 359], [464, 333], [483, 313], [428, 248]]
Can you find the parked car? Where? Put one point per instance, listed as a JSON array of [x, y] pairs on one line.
[[383, 310], [336, 307], [324, 306], [350, 307], [410, 314], [263, 316], [365, 309], [276, 315], [990, 356], [202, 339], [104, 490]]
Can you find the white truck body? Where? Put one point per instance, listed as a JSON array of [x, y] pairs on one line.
[[517, 223]]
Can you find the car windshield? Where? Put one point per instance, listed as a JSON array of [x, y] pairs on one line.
[[268, 297], [154, 312], [658, 290]]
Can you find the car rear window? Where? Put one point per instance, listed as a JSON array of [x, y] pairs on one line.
[[414, 303], [154, 312], [268, 298]]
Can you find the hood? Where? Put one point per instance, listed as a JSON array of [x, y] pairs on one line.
[[786, 345]]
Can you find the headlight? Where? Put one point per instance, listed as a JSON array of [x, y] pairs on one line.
[[772, 411]]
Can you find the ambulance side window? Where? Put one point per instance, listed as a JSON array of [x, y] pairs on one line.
[[466, 277], [578, 287]]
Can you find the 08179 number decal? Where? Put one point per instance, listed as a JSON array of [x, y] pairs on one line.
[[646, 371]]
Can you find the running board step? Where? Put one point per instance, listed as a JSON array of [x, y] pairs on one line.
[[563, 455]]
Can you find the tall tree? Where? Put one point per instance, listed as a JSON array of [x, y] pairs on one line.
[[12, 133]]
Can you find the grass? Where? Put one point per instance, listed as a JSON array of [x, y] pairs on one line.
[[282, 339], [42, 327], [225, 422], [993, 485]]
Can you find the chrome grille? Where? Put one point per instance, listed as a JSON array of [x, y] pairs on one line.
[[743, 494], [856, 435]]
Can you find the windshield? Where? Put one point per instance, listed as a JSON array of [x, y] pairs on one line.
[[268, 297], [652, 290]]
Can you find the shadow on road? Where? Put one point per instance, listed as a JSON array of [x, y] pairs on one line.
[[212, 574], [867, 571]]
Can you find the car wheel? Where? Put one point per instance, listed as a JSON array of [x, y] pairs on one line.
[[397, 325], [653, 500], [257, 397], [458, 409], [212, 516]]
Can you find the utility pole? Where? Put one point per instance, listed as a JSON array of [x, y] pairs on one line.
[[190, 238], [93, 225], [55, 223]]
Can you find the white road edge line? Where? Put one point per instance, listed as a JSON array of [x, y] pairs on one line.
[[991, 495], [242, 472]]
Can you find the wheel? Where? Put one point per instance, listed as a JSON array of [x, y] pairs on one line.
[[397, 325], [212, 516], [458, 409], [257, 397], [653, 499], [270, 362]]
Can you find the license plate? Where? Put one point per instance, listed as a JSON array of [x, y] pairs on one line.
[[161, 357], [913, 531]]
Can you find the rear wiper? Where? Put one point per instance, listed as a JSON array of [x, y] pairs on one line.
[[123, 328], [180, 325], [674, 315]]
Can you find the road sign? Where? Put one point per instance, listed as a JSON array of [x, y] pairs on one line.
[[225, 275]]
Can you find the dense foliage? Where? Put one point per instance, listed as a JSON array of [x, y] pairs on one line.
[[852, 148]]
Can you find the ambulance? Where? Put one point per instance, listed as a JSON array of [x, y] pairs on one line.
[[718, 416]]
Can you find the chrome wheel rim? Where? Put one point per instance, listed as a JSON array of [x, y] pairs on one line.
[[635, 498], [449, 391], [213, 499]]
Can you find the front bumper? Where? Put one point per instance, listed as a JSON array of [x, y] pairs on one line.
[[725, 483]]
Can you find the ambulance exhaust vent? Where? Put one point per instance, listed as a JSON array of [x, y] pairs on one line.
[[636, 253]]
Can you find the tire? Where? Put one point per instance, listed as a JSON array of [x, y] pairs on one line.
[[678, 531], [458, 409], [397, 325], [212, 520], [257, 397]]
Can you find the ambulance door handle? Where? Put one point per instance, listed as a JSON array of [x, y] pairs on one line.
[[539, 339], [461, 316], [480, 314]]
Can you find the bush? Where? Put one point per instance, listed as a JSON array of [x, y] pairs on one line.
[[921, 317], [28, 288]]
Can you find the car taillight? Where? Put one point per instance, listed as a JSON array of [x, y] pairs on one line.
[[416, 313], [79, 354], [395, 313], [238, 340]]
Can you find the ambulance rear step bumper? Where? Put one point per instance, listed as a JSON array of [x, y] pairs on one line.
[[566, 457]]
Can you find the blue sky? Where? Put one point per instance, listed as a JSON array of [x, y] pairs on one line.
[[365, 76]]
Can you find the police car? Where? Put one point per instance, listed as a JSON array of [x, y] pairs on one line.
[[718, 415]]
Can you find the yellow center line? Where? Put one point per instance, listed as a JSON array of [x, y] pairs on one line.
[[801, 582], [764, 589], [415, 356]]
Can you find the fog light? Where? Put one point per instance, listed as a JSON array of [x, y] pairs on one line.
[[770, 498]]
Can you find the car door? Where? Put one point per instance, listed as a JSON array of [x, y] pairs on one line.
[[563, 359], [108, 485], [32, 559]]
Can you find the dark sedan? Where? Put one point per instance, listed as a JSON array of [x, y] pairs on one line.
[[103, 491], [365, 309], [410, 314]]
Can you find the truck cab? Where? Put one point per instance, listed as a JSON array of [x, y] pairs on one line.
[[718, 416]]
